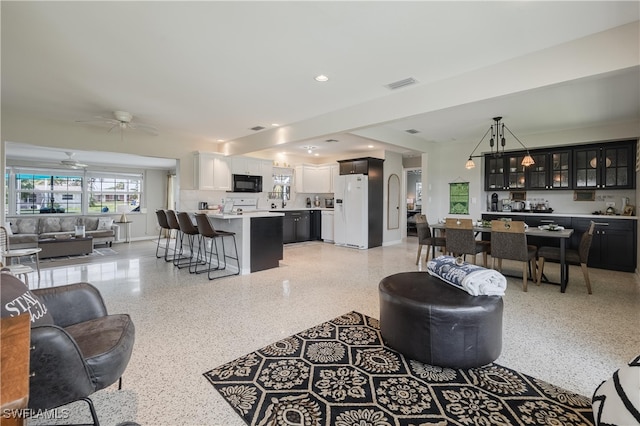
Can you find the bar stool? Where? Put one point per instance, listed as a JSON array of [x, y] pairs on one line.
[[172, 221], [206, 230], [164, 227], [191, 232]]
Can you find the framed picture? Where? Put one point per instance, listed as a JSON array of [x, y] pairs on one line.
[[628, 210], [519, 195], [584, 195]]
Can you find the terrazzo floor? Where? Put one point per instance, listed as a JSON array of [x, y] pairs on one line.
[[186, 324]]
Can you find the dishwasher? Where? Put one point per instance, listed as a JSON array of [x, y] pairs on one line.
[[327, 226]]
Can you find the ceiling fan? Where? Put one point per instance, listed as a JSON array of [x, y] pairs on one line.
[[72, 163], [121, 120]]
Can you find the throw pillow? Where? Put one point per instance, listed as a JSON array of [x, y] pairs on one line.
[[617, 400], [18, 299], [27, 226], [104, 223], [7, 227]]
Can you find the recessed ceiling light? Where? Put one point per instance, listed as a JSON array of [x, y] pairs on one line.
[[220, 140], [369, 146], [275, 124], [316, 154], [321, 78]]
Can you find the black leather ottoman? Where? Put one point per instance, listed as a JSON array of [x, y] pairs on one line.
[[433, 322]]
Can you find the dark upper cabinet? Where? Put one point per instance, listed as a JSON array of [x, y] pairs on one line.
[[552, 170], [596, 166], [605, 166], [494, 173], [516, 171], [365, 166], [505, 172]]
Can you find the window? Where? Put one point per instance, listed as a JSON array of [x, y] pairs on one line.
[[116, 194], [35, 191], [40, 193]]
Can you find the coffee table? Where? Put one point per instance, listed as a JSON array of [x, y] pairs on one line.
[[56, 247]]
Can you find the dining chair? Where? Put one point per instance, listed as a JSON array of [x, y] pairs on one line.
[[572, 256], [461, 240], [508, 241], [425, 238]]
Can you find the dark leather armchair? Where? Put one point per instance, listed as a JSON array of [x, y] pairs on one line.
[[77, 348]]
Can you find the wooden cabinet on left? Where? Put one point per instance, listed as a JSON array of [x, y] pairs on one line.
[[14, 368]]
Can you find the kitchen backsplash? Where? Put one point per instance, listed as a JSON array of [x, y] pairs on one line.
[[563, 202]]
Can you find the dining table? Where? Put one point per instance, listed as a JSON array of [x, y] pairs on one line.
[[560, 234]]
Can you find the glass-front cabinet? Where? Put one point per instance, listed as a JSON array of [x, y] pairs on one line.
[[494, 173], [505, 172], [609, 166], [516, 171], [550, 171]]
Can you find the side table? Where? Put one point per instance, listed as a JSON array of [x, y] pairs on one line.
[[127, 230]]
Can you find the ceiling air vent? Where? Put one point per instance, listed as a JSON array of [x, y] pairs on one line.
[[412, 131], [401, 83], [256, 128], [331, 140]]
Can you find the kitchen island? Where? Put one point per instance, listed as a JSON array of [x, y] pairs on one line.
[[258, 236]]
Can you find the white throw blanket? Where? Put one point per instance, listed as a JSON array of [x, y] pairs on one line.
[[475, 280]]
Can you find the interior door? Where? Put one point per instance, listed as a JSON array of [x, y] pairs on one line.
[[393, 202]]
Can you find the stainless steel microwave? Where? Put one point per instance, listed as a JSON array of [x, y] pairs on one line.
[[247, 183]]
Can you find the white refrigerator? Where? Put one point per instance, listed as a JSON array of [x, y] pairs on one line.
[[351, 218]]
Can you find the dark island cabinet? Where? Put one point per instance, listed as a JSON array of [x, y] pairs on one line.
[[266, 243], [613, 246]]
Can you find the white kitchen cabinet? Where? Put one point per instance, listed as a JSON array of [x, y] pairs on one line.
[[246, 166], [212, 172], [313, 179]]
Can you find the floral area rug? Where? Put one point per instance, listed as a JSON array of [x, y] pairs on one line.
[[341, 373]]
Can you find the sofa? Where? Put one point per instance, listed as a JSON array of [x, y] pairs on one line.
[[24, 232]]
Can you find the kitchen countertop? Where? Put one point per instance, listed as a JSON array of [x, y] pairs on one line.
[[588, 215], [247, 214], [299, 209]]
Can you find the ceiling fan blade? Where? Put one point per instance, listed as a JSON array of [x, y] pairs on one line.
[[144, 128]]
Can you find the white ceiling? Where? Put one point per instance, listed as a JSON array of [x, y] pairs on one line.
[[212, 70]]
